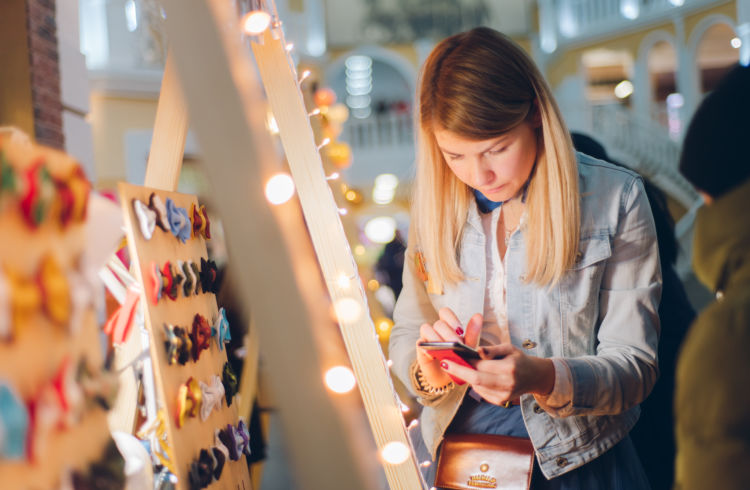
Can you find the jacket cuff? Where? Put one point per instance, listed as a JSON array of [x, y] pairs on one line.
[[427, 394]]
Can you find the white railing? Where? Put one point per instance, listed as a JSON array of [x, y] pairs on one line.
[[388, 130], [579, 19], [654, 154]]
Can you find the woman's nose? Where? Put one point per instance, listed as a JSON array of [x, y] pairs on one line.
[[483, 173]]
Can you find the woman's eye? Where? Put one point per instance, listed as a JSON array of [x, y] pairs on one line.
[[498, 150]]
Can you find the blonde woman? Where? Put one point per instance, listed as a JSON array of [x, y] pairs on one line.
[[544, 258]]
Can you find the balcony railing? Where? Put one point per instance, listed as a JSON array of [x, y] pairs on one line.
[[389, 130]]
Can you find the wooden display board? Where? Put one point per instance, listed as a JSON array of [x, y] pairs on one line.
[[32, 357], [187, 441]]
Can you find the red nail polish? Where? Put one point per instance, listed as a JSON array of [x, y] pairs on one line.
[[444, 365], [459, 331]]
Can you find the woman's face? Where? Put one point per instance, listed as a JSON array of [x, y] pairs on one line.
[[497, 167]]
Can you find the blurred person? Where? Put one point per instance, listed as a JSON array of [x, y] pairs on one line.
[[653, 435], [712, 401]]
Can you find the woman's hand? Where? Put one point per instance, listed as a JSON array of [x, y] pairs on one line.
[[446, 329], [505, 373]]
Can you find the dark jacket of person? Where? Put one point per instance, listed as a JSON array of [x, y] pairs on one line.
[[712, 401]]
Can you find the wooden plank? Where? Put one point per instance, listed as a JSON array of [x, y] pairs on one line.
[[187, 441], [333, 252], [278, 277], [170, 130]]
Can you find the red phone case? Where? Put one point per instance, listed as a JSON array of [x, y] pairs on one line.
[[451, 356]]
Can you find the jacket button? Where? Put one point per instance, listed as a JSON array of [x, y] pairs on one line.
[[528, 344], [537, 408], [579, 256], [561, 461]]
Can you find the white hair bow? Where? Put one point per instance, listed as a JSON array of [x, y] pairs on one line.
[[213, 393]]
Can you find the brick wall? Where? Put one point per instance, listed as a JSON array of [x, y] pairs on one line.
[[45, 72]]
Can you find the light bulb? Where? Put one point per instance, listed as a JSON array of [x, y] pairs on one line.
[[279, 188], [340, 379], [256, 22], [395, 452], [347, 309]]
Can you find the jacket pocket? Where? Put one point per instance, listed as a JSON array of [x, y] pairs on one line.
[[580, 295]]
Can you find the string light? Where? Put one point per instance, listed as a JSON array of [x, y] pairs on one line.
[[347, 309], [289, 47], [425, 464], [340, 379], [343, 211], [324, 143], [314, 112], [343, 281], [333, 176], [395, 452], [279, 188], [412, 424], [389, 363], [404, 408], [305, 74], [256, 22]]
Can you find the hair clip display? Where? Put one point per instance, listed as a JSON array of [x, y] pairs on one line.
[[242, 434], [208, 276], [179, 221], [197, 274], [220, 457], [154, 283], [188, 401], [213, 394], [169, 288], [146, 218], [156, 431], [201, 224], [229, 378], [200, 335], [226, 436], [220, 329], [14, 424], [202, 470], [157, 206]]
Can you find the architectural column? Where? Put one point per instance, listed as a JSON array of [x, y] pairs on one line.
[[685, 77]]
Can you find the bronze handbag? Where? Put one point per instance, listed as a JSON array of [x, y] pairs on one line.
[[470, 461]]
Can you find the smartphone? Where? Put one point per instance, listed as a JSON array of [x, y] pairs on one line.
[[452, 351], [462, 350]]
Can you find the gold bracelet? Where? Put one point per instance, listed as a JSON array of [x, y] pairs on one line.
[[425, 385]]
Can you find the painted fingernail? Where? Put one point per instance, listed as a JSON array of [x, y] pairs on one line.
[[444, 365], [459, 331]]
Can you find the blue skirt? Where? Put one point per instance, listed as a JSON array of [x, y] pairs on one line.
[[617, 469]]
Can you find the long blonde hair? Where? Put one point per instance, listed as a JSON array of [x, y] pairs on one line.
[[479, 84]]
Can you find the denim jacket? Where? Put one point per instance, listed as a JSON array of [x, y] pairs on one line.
[[601, 318]]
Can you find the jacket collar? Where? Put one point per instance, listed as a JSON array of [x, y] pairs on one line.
[[721, 243]]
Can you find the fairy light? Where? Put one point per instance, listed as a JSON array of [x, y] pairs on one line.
[[324, 143], [342, 281], [359, 250], [404, 408], [256, 22], [314, 112], [279, 188], [425, 464], [333, 176], [289, 47], [389, 363], [340, 379], [412, 424], [347, 309], [305, 74], [343, 211], [395, 452]]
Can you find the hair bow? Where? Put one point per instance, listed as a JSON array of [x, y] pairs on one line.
[[201, 335], [177, 344], [229, 378], [188, 400], [208, 276], [73, 193], [14, 423], [190, 279], [157, 206], [146, 218], [197, 275], [154, 283], [212, 393], [220, 447], [179, 222], [156, 431], [201, 224], [170, 281], [38, 193], [119, 324], [227, 437], [244, 436], [220, 330], [202, 470], [48, 290]]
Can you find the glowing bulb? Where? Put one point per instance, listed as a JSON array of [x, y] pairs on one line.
[[271, 123], [385, 324], [359, 250], [342, 281], [343, 211], [279, 188], [395, 452], [412, 424], [373, 284], [333, 176], [256, 22], [425, 464], [389, 363], [323, 143], [381, 229], [347, 309], [340, 379], [289, 47], [305, 74], [404, 408], [314, 112], [623, 89], [736, 42]]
